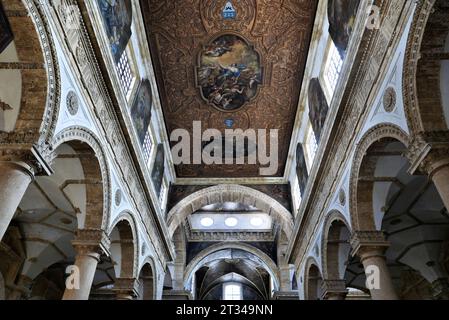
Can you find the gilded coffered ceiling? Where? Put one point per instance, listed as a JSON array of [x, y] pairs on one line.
[[239, 72]]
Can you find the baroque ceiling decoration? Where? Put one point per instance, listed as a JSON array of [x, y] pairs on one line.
[[214, 65]]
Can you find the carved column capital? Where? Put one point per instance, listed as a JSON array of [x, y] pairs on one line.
[[126, 287], [334, 289], [91, 241], [36, 158], [366, 244], [428, 152]]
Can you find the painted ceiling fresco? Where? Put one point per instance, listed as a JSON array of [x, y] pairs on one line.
[[239, 68]]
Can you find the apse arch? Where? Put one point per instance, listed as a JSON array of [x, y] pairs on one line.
[[360, 203], [100, 218], [126, 246], [38, 108], [212, 253], [423, 103], [229, 193]]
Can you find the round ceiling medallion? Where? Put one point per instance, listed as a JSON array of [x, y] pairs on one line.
[[207, 222], [118, 197], [231, 222], [342, 197], [72, 103], [389, 99]]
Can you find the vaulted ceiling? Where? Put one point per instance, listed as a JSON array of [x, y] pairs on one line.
[[241, 73]]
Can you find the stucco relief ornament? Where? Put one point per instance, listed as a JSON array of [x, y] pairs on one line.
[[389, 99], [229, 11], [72, 103]]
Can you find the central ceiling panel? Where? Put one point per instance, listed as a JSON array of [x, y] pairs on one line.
[[230, 65]]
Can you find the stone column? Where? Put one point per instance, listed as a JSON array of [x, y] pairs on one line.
[[126, 288], [334, 290], [370, 246], [440, 178], [89, 244], [15, 178]]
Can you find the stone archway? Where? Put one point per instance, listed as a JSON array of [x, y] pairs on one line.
[[33, 54], [360, 201], [425, 49], [312, 280], [335, 257], [229, 193], [99, 218], [147, 281], [126, 241], [333, 225], [203, 256]]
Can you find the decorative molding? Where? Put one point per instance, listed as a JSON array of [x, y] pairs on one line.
[[245, 236], [428, 152], [332, 217], [412, 56]]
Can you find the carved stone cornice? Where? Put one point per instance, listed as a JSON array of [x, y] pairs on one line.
[[333, 287], [368, 242], [88, 241], [198, 236], [428, 152], [127, 287]]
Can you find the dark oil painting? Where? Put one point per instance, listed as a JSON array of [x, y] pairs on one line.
[[301, 168], [6, 35], [229, 73], [117, 16], [157, 174], [141, 109], [318, 107]]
